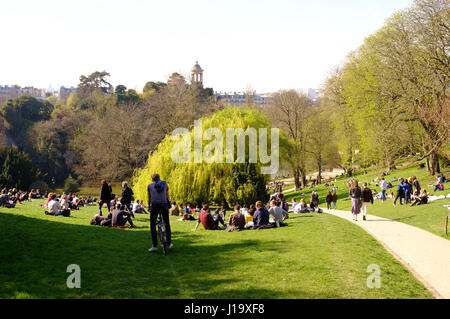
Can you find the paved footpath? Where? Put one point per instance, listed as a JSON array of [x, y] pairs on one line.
[[426, 255]]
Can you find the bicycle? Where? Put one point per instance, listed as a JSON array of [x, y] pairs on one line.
[[162, 234]]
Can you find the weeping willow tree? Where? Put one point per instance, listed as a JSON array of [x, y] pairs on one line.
[[215, 177]]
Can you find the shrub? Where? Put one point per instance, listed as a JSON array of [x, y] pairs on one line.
[[71, 185]]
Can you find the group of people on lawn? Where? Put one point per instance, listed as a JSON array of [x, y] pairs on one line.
[[9, 198], [121, 212], [409, 191]]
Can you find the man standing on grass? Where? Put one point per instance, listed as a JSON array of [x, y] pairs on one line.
[[158, 199], [383, 186], [367, 198]]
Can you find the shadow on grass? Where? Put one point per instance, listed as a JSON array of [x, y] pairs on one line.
[[115, 263]]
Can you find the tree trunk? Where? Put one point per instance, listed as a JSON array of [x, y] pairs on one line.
[[297, 178], [319, 175], [434, 164]]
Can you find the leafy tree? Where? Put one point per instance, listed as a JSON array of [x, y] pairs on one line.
[[155, 86], [71, 185], [21, 113], [17, 170], [214, 181], [395, 86]]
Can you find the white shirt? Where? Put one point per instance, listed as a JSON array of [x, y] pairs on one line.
[[383, 185], [64, 204], [277, 213], [53, 206], [244, 211]]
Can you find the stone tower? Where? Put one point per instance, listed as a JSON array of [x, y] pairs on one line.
[[197, 75]]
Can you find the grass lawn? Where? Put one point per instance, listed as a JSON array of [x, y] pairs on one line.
[[317, 256], [430, 217]]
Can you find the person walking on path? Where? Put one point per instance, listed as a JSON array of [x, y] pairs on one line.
[[329, 199], [367, 198], [355, 194], [335, 198], [159, 199], [383, 186]]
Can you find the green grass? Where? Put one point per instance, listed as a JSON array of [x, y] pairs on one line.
[[317, 256], [430, 217]]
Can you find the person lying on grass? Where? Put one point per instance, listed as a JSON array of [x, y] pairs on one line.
[[207, 220], [100, 220]]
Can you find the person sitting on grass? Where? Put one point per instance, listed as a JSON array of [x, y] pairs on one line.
[[207, 220], [219, 215], [249, 216], [5, 200], [420, 199], [314, 201], [138, 208], [222, 211], [64, 203], [174, 210], [295, 205], [261, 215], [119, 217], [237, 220], [279, 214], [244, 210], [439, 185], [54, 208]]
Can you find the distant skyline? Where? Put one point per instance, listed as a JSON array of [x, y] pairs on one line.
[[266, 44]]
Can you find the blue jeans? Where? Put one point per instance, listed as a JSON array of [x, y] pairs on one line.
[[407, 197], [334, 205], [383, 195]]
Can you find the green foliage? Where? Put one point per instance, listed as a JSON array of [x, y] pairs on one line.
[[71, 185], [156, 86], [17, 170], [248, 185], [205, 182], [21, 113], [41, 185]]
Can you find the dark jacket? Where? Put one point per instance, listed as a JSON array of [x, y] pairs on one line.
[[261, 217], [367, 196], [335, 198], [417, 186], [355, 192], [105, 194], [329, 198], [127, 196]]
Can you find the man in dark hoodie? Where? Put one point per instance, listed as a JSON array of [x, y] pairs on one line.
[[159, 200]]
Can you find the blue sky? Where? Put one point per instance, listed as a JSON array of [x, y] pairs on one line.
[[266, 44]]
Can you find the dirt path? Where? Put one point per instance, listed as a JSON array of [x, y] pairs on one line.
[[426, 255]]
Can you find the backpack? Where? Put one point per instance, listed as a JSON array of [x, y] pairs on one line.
[[286, 206], [441, 187]]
